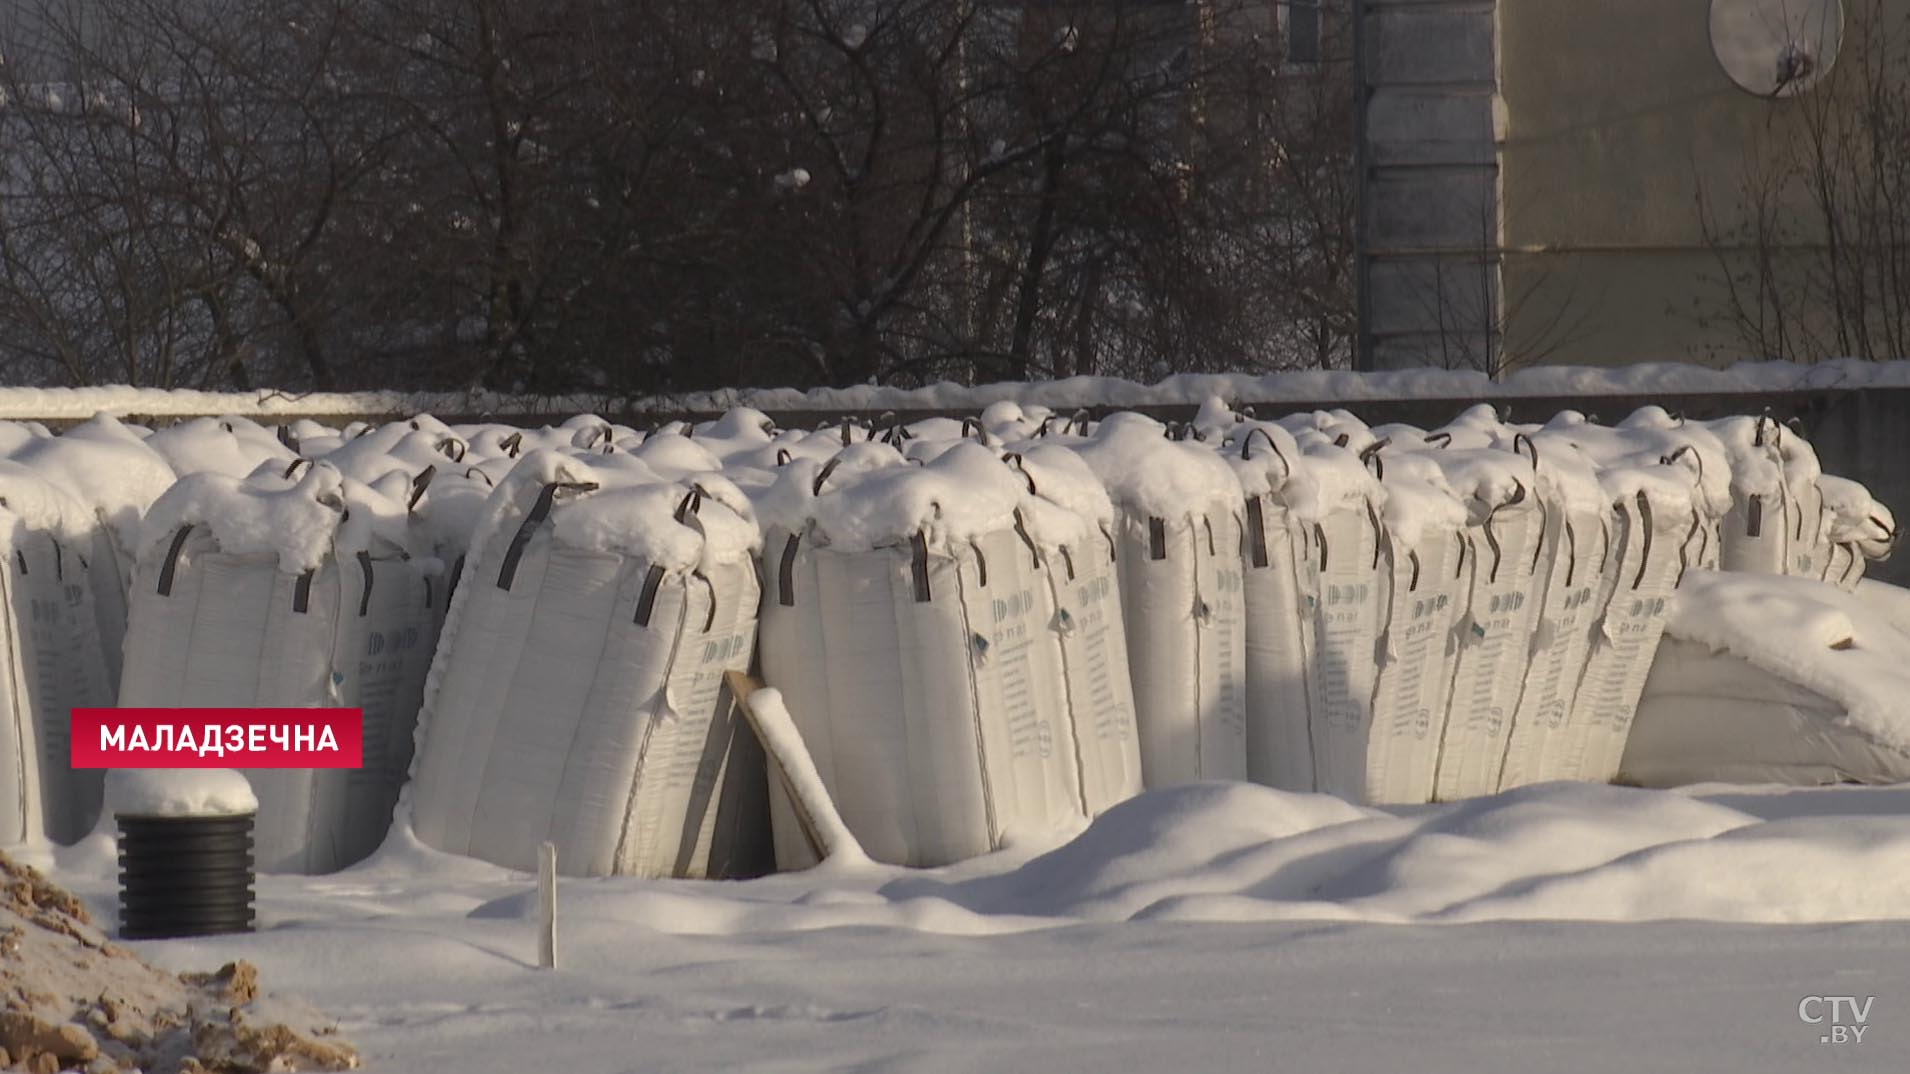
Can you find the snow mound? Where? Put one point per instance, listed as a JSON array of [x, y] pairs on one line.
[[1231, 852]]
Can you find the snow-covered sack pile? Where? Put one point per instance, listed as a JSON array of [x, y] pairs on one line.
[[982, 631]]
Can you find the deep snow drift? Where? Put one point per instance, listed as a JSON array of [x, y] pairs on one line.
[[1086, 956]]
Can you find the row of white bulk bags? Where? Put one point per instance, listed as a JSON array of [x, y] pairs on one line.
[[1667, 486], [911, 621], [1770, 679], [52, 659], [577, 696], [1178, 549], [289, 591]]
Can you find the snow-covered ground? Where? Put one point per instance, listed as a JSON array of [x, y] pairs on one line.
[[1207, 927]]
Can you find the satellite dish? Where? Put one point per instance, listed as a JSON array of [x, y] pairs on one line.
[[1776, 48]]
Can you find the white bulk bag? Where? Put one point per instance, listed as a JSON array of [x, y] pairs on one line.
[[1178, 544], [577, 696], [1071, 521], [1765, 529], [109, 468], [52, 657], [1350, 606], [1505, 528], [274, 594], [1763, 679], [1280, 585], [1857, 531], [232, 446], [1653, 521], [909, 622], [1426, 559], [1713, 717], [1570, 585]]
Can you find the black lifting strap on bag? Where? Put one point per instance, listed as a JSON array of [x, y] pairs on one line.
[[1492, 538], [1021, 530], [918, 566], [172, 560], [539, 512], [785, 585], [1644, 515], [1256, 533], [418, 485], [364, 599], [647, 600]]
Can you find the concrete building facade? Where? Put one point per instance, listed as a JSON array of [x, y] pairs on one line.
[[1533, 174]]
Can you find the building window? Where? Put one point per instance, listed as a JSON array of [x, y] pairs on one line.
[[1302, 31]]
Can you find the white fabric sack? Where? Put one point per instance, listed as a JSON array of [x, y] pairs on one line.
[[53, 663], [1422, 554], [910, 624], [1494, 645], [1652, 523], [272, 594], [1571, 582], [577, 696], [1857, 531], [109, 468], [1349, 618], [54, 660], [1178, 539], [1707, 716], [1764, 679], [1071, 525], [1280, 585]]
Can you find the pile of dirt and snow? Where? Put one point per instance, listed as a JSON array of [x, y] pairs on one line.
[[77, 1001]]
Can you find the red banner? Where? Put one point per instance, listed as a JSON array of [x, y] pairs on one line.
[[218, 738]]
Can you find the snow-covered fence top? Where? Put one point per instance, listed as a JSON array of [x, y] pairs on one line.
[[1298, 388]]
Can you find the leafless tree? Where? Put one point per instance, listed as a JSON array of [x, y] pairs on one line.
[[1811, 242], [659, 195]]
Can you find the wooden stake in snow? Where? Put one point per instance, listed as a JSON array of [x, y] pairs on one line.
[[547, 906]]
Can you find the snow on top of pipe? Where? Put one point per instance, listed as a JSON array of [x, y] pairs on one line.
[[178, 792]]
